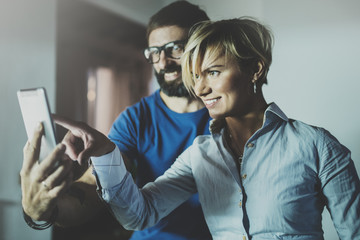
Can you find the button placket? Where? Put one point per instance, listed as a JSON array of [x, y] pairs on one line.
[[248, 146], [243, 176]]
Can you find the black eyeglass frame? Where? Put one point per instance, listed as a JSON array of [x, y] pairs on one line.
[[161, 48]]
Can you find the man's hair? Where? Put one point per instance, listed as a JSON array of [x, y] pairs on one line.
[[244, 40], [180, 13]]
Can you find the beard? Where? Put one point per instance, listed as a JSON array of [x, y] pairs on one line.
[[175, 88]]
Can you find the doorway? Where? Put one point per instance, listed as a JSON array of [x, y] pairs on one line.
[[100, 70]]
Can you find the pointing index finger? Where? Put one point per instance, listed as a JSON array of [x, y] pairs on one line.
[[65, 122]]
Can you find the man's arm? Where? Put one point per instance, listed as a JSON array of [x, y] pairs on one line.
[[81, 203]]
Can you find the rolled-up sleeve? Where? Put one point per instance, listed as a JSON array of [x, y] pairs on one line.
[[110, 168]]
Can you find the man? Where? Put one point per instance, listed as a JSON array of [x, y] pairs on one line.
[[159, 127]]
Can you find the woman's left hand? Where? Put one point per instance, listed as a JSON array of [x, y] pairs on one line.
[[82, 141]]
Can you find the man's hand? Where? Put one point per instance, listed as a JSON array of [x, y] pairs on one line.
[[82, 141], [41, 183]]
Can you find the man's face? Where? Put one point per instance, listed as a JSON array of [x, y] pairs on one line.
[[167, 69]]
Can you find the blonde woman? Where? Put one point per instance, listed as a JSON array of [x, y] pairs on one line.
[[260, 175]]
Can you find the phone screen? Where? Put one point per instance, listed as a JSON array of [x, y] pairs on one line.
[[35, 109]]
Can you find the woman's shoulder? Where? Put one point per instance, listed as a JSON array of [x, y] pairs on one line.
[[202, 139], [201, 143], [312, 133]]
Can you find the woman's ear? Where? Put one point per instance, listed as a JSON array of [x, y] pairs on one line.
[[258, 71]]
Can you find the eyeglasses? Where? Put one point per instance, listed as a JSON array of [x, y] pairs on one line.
[[172, 50]]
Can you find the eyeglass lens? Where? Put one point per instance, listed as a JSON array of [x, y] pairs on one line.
[[172, 50]]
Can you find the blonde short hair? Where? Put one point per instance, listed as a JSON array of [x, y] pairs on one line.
[[244, 40]]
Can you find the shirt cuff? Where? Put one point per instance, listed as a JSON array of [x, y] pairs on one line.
[[110, 168]]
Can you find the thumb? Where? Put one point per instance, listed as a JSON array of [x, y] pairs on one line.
[[88, 151], [84, 155]]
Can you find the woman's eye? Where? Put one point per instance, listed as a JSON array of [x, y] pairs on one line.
[[214, 73]]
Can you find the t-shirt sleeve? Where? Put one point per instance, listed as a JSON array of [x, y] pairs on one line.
[[124, 132]]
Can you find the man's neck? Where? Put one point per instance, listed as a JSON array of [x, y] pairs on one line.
[[181, 104]]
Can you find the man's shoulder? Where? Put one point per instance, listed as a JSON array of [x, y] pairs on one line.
[[135, 117], [143, 107]]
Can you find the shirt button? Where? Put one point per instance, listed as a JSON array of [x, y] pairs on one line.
[[244, 176], [240, 204], [250, 145]]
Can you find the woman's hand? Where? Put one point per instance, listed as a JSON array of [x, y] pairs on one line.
[[43, 183], [82, 141]]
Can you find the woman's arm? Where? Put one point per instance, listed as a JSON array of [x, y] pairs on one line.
[[136, 208], [341, 187]]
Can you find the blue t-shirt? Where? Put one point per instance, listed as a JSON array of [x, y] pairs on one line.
[[153, 135]]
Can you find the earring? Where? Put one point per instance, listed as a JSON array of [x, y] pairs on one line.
[[254, 87]]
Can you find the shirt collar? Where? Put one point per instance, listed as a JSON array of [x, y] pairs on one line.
[[272, 113], [273, 109]]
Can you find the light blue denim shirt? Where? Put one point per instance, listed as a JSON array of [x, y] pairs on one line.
[[290, 171]]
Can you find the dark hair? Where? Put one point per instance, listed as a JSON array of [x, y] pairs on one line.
[[180, 13]]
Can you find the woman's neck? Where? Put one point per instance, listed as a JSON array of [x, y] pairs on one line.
[[241, 128]]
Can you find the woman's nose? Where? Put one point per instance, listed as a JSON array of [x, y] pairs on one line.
[[201, 88]]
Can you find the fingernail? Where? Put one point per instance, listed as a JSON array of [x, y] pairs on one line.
[[61, 146]]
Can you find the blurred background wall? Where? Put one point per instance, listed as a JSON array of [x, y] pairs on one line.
[[71, 46]]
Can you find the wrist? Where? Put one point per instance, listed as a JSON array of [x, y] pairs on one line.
[[41, 225], [110, 147]]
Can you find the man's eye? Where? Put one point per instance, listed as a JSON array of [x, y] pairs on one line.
[[177, 47]]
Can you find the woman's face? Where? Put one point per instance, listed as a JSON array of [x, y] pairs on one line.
[[223, 87]]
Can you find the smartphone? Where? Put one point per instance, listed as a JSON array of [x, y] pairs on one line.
[[35, 108]]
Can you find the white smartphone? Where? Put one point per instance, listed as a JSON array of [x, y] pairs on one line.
[[35, 108]]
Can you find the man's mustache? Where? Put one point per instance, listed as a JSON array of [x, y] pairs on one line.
[[170, 69]]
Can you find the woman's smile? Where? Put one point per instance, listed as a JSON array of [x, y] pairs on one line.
[[209, 103]]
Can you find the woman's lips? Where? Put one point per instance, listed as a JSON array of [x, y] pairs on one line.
[[211, 102]]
